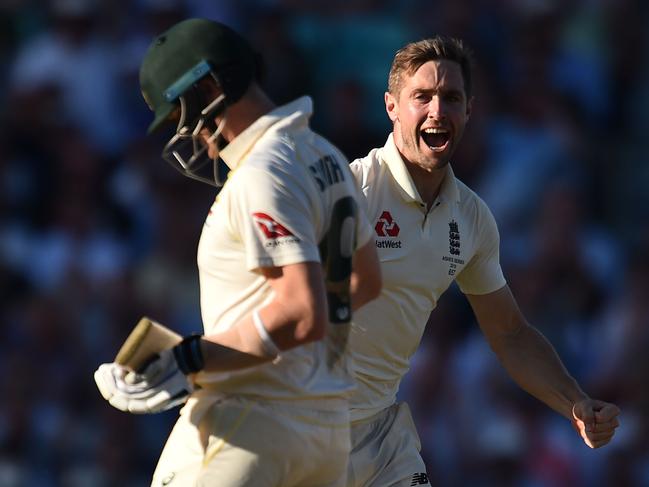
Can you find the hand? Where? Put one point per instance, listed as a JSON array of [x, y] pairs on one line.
[[159, 387], [595, 421]]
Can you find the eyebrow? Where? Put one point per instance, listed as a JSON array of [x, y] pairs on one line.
[[444, 91]]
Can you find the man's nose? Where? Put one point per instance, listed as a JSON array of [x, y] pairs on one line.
[[435, 108]]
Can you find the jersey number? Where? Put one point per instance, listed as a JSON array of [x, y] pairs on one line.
[[336, 250]]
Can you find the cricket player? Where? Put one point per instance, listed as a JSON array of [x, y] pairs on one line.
[[431, 229], [283, 248]]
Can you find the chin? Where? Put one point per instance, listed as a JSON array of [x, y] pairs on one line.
[[436, 162], [439, 165]]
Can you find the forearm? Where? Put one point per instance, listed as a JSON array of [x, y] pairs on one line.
[[365, 280], [237, 348], [285, 326], [359, 294], [534, 365], [295, 316]]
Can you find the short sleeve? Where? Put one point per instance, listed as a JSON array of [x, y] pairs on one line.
[[271, 215], [483, 273], [364, 231]]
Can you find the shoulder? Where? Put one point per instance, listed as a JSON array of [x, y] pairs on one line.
[[275, 156], [366, 169], [275, 146], [471, 202], [474, 210]]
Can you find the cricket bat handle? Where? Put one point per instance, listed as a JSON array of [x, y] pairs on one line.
[[146, 339]]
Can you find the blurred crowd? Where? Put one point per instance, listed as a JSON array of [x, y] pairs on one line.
[[97, 231]]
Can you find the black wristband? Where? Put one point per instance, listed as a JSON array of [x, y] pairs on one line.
[[188, 354]]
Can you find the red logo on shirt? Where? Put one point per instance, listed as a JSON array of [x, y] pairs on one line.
[[386, 226], [270, 227]]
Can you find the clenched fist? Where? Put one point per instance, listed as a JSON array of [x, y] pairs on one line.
[[595, 421]]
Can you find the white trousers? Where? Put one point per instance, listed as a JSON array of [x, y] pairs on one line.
[[237, 442], [385, 451]]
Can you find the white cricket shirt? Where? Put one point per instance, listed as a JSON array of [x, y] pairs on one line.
[[421, 253], [274, 210]]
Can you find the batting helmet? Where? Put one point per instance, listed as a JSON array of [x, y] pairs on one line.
[[174, 63]]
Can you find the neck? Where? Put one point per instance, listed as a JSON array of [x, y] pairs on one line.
[[239, 116], [427, 182]]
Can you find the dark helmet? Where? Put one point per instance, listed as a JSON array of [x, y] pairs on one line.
[[187, 52], [176, 60]]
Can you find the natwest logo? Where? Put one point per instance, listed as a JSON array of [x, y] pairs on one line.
[[270, 227], [386, 226]]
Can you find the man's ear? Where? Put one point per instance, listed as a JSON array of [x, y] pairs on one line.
[[391, 106]]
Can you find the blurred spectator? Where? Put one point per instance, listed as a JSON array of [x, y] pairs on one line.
[[285, 77], [345, 106], [77, 61]]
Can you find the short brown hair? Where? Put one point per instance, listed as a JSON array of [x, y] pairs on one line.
[[412, 56]]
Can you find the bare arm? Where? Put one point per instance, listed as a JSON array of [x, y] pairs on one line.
[[366, 278], [524, 352], [295, 316], [534, 365]]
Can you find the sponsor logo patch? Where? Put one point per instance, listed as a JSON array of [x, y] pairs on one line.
[[275, 233], [270, 228], [386, 226]]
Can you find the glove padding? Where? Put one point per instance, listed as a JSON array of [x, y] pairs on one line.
[[159, 387]]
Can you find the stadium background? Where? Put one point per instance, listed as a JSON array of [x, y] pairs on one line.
[[96, 230]]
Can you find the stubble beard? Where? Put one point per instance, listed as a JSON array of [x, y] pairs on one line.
[[416, 156]]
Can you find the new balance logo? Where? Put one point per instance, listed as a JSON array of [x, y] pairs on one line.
[[419, 479], [386, 226]]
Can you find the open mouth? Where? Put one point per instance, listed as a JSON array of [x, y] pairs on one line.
[[436, 138]]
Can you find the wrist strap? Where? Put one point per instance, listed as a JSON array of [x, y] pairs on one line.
[[267, 342], [189, 355]]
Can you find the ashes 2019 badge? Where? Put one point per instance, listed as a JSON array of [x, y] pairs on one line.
[[453, 248]]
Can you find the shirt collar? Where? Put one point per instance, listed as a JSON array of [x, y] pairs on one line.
[[297, 112], [392, 157]]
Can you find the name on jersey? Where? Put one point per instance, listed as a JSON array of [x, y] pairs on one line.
[[327, 171]]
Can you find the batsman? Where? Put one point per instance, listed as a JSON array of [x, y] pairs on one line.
[[282, 249]]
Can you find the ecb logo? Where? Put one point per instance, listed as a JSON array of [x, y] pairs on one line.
[[453, 238]]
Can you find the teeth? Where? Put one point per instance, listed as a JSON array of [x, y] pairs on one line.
[[435, 131]]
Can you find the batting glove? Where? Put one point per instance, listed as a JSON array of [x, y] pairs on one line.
[[163, 384]]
